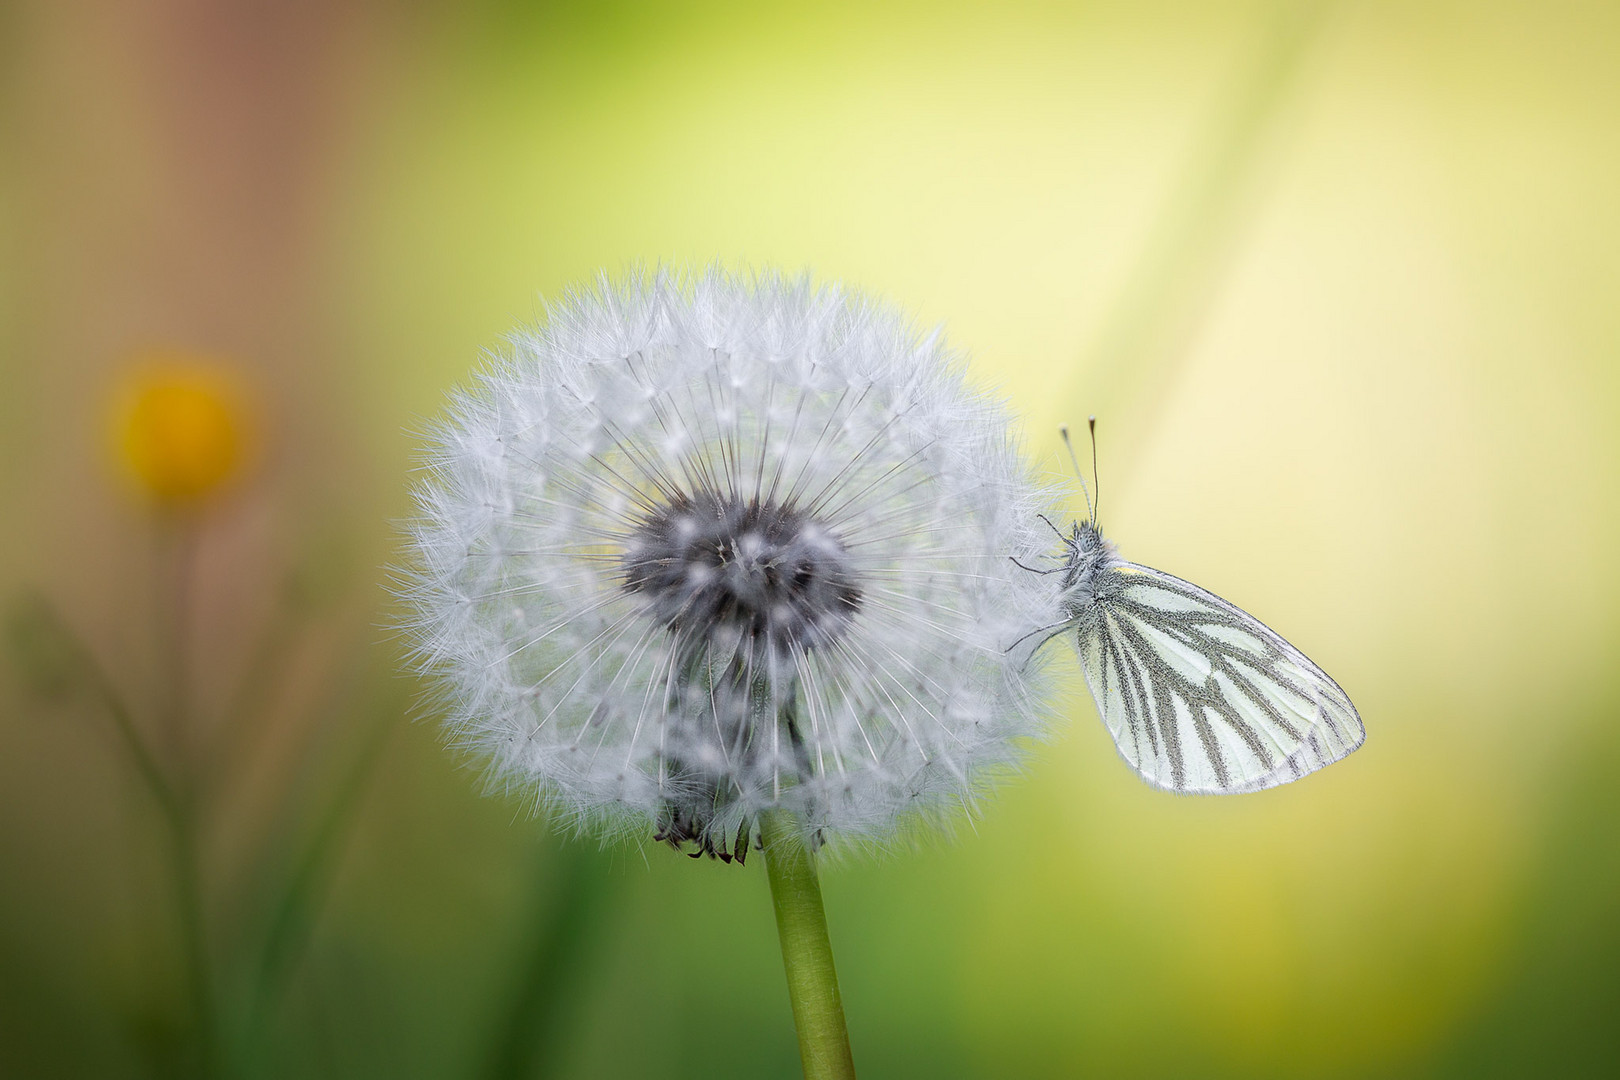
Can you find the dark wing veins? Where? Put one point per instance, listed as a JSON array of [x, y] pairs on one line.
[[1204, 699]]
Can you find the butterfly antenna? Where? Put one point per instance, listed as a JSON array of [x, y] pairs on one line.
[[1096, 484], [1063, 430]]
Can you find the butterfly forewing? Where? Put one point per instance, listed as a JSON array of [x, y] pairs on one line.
[[1199, 695]]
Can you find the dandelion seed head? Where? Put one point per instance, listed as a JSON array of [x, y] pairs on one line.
[[702, 546]]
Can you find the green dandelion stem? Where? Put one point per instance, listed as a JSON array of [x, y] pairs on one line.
[[801, 923]]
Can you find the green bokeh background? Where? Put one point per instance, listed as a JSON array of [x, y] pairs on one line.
[[1342, 282]]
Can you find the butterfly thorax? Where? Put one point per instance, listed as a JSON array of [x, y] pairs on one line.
[[1086, 555]]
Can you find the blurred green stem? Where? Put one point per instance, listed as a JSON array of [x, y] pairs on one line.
[[252, 695], [101, 685], [549, 980], [175, 798], [177, 543], [295, 913], [801, 923], [188, 886]]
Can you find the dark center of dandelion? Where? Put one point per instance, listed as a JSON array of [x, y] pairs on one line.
[[742, 586], [707, 563]]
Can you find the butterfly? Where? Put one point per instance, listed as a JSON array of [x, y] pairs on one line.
[[1199, 695]]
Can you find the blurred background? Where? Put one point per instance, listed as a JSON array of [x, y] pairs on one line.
[[1341, 281]]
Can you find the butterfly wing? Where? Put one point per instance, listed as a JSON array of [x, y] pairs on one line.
[[1201, 696]]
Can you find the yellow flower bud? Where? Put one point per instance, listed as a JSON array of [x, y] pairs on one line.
[[182, 429]]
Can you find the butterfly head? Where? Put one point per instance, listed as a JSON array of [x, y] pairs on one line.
[[1086, 554]]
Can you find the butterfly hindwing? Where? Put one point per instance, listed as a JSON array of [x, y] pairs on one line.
[[1202, 697]]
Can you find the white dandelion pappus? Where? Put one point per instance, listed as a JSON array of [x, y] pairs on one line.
[[1199, 696], [703, 547]]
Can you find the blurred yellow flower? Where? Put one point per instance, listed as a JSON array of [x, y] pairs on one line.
[[182, 429]]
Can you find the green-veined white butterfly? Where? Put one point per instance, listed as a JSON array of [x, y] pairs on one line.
[[1199, 695]]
